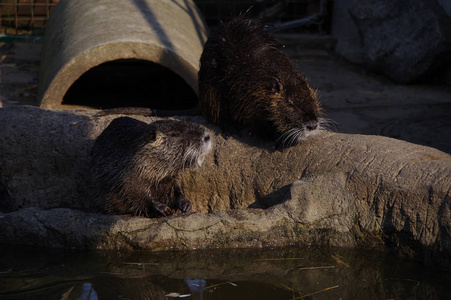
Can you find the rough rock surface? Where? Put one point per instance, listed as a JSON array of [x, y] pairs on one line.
[[406, 39], [335, 189]]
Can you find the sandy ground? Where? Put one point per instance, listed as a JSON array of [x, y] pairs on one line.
[[359, 102]]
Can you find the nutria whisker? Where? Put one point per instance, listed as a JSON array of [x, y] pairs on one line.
[[186, 158], [291, 137], [284, 137], [326, 124], [297, 137], [300, 135], [191, 156]]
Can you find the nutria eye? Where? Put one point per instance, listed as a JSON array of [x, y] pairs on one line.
[[151, 135]]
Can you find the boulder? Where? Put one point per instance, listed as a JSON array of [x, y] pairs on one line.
[[334, 189], [345, 31], [406, 40], [446, 6]]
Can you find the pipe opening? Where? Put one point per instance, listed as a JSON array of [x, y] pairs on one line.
[[131, 83]]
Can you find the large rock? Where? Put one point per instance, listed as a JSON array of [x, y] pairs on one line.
[[335, 189], [344, 30], [446, 6], [406, 40]]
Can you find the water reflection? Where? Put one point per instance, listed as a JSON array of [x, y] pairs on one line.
[[278, 273]]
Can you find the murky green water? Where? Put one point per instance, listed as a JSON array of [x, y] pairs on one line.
[[278, 273]]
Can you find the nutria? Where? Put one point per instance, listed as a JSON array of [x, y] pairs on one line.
[[135, 165], [246, 81]]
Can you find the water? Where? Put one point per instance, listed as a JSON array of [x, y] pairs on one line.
[[277, 273]]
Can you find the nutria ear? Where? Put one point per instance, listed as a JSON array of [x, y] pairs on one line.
[[276, 87]]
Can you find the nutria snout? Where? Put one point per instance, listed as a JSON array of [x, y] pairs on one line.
[[135, 165], [245, 80]]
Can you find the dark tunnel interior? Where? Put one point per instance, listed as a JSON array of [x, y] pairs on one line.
[[131, 83]]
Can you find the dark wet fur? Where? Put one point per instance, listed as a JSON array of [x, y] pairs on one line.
[[247, 82], [135, 165]]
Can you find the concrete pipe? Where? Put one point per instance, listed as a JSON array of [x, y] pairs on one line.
[[82, 35]]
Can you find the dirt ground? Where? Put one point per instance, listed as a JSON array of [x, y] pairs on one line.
[[357, 101]]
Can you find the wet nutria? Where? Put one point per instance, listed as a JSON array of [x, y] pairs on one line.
[[246, 81], [135, 165]]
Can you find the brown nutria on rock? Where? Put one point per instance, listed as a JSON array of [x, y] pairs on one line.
[[134, 165], [246, 81]]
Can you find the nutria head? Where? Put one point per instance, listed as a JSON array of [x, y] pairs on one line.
[[168, 146], [292, 108]]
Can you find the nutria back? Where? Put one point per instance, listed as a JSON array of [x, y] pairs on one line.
[[245, 80], [134, 165]]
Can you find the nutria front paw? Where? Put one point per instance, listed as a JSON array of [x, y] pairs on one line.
[[184, 205], [163, 209]]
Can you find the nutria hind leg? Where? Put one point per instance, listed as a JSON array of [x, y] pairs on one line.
[[180, 201]]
